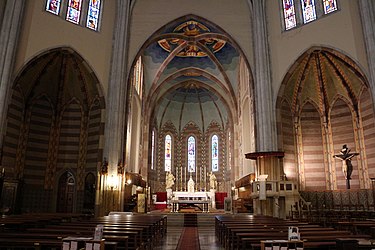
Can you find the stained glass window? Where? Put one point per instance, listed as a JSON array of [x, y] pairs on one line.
[[308, 10], [152, 148], [93, 14], [53, 6], [74, 11], [168, 153], [289, 14], [329, 6], [191, 154], [138, 76], [229, 150], [215, 153]]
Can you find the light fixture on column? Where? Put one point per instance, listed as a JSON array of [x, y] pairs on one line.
[[104, 169], [112, 182]]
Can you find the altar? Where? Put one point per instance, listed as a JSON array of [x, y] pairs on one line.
[[180, 195], [190, 198], [176, 204]]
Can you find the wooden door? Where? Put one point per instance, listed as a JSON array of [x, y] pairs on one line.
[[65, 195]]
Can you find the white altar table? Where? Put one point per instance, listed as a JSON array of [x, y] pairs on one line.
[[179, 195], [176, 204]]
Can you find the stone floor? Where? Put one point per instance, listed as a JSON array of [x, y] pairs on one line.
[[206, 230], [207, 239]]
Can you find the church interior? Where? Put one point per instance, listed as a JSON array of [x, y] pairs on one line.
[[222, 109]]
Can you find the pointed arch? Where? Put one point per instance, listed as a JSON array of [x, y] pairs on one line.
[[312, 148], [333, 83], [55, 91], [288, 138], [368, 125], [342, 124], [70, 134]]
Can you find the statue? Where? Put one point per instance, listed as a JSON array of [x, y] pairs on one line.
[[169, 180], [213, 181], [347, 168], [191, 185]]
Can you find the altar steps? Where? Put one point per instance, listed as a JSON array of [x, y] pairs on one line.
[[202, 219], [190, 220]]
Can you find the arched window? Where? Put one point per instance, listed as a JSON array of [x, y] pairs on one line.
[[329, 6], [138, 76], [74, 11], [85, 13], [215, 153], [191, 154], [308, 10], [53, 6], [298, 13], [289, 14], [93, 14], [168, 153], [152, 149], [229, 162]]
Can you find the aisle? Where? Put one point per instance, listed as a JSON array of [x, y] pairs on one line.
[[189, 239], [205, 233]]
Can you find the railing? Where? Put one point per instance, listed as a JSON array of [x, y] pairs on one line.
[[275, 188]]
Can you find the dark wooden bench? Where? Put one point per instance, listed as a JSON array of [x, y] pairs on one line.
[[244, 232], [123, 232]]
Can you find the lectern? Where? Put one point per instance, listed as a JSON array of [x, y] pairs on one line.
[[271, 192]]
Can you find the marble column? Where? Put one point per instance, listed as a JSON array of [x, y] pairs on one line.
[[114, 133], [367, 13], [265, 113], [10, 29]]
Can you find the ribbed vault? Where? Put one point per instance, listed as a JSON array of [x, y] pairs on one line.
[[191, 74], [322, 104], [321, 75]]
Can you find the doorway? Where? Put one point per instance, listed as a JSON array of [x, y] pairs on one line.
[[65, 193]]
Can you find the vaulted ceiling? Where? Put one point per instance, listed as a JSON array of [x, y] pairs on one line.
[[320, 76], [60, 75], [191, 74]]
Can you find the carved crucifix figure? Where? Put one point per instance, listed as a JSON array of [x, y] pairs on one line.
[[347, 168]]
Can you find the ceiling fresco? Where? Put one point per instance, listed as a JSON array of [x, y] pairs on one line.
[[191, 73]]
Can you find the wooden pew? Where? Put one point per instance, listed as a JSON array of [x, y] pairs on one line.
[[247, 232], [128, 232]]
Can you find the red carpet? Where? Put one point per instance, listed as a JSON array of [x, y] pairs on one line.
[[189, 239]]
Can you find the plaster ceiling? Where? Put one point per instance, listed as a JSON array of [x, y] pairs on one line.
[[320, 76], [60, 75], [191, 74]]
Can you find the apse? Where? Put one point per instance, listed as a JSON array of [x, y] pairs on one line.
[[191, 85], [324, 92]]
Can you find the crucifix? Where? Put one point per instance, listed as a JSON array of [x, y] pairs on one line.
[[347, 168]]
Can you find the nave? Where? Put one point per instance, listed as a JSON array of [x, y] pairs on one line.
[[206, 233], [180, 231]]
